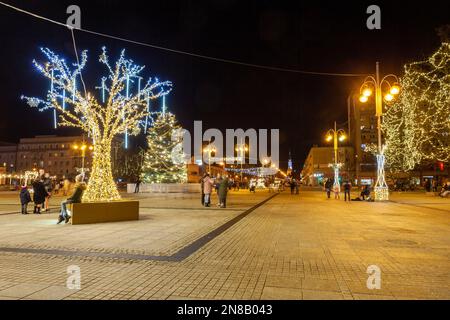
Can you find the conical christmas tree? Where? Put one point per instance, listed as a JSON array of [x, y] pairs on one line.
[[163, 158]]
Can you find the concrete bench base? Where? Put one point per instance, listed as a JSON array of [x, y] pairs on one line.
[[98, 212]]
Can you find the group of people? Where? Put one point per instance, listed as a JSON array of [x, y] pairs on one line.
[[445, 190], [435, 186], [294, 184], [220, 184], [330, 186], [42, 190]]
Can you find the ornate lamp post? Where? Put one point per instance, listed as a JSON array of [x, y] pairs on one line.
[[370, 84], [337, 136]]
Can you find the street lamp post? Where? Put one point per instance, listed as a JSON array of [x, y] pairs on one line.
[[209, 149], [337, 136], [83, 148], [366, 90], [242, 148]]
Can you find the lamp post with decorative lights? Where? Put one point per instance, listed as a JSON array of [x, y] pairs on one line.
[[371, 84], [337, 135]]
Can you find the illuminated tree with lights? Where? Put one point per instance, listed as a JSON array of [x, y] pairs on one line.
[[118, 112], [164, 159], [417, 127]]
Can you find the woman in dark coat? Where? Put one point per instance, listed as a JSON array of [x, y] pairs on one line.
[[223, 190], [39, 194]]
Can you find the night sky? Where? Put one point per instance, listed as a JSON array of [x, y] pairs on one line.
[[319, 36]]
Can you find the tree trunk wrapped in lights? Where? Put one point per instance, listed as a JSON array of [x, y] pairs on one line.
[[417, 127], [119, 112], [164, 160]]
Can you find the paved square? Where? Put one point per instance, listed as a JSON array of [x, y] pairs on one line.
[[291, 247]]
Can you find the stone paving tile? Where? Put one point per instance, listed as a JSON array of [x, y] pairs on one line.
[[360, 296], [22, 290], [276, 293], [51, 293], [322, 295]]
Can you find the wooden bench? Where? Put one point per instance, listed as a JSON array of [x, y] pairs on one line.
[[98, 212]]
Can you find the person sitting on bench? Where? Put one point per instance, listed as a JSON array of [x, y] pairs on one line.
[[75, 198]]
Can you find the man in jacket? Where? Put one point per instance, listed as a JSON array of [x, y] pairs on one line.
[[328, 186], [75, 198]]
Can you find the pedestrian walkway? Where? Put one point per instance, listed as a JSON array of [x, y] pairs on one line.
[[291, 247]]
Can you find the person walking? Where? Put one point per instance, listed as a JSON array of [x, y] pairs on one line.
[[208, 184], [202, 184], [292, 185], [25, 198], [427, 185], [80, 186], [337, 191], [138, 184], [435, 185], [48, 189], [217, 181], [66, 186], [39, 194], [328, 186], [223, 190], [347, 189], [56, 188]]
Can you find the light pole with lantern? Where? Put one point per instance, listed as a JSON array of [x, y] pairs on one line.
[[376, 84], [242, 148], [82, 147], [209, 149], [337, 135]]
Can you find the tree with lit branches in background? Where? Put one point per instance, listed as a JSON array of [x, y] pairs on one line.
[[164, 159], [117, 113], [417, 126]]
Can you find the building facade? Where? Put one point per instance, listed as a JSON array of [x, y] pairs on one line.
[[54, 154], [317, 164], [8, 157]]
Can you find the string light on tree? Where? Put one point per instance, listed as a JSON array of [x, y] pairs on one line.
[[119, 113], [417, 128]]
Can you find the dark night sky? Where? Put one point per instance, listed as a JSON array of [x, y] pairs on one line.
[[323, 36]]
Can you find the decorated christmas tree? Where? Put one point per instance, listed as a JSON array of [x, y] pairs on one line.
[[163, 160]]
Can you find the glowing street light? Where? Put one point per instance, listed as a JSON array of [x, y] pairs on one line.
[[336, 135], [375, 83], [367, 92], [395, 89], [83, 146], [388, 97], [209, 149], [242, 148]]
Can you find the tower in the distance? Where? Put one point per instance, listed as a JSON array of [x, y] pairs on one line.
[[289, 169]]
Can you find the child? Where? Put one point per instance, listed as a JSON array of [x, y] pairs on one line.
[[25, 198], [336, 191]]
